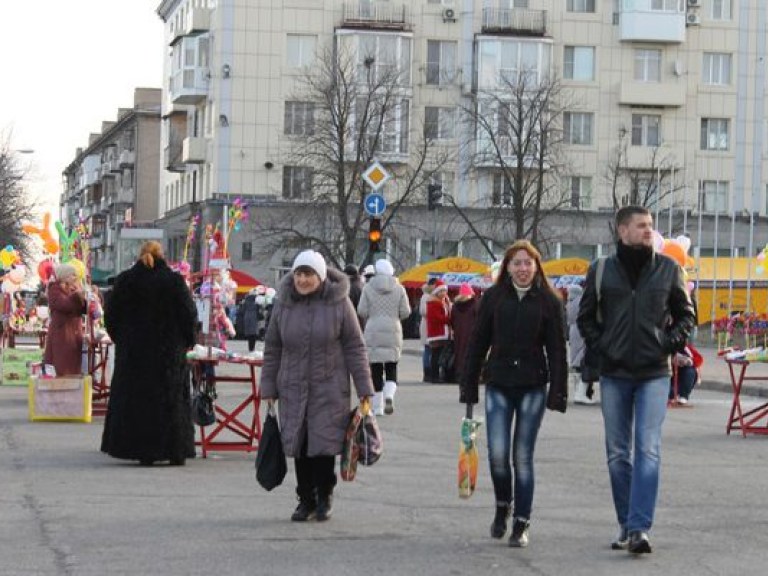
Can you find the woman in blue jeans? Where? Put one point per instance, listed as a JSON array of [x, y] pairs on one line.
[[520, 337]]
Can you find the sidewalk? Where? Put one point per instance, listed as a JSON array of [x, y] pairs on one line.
[[715, 373]]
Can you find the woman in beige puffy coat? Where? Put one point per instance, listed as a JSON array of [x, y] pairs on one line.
[[312, 347], [383, 304]]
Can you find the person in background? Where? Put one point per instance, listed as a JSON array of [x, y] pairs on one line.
[[520, 331], [313, 347], [688, 364], [463, 317], [582, 394], [383, 304], [368, 272], [355, 284], [252, 316], [438, 327], [426, 356], [66, 304], [642, 317], [151, 319]]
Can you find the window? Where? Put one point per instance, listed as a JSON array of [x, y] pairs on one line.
[[299, 119], [646, 130], [647, 65], [502, 61], [721, 9], [439, 123], [580, 5], [297, 182], [441, 62], [581, 192], [716, 69], [579, 63], [388, 135], [714, 134], [384, 58], [246, 253], [713, 196], [300, 50], [644, 191], [667, 5], [444, 180], [501, 191], [577, 128]]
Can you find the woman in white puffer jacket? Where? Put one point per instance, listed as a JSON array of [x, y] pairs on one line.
[[383, 304]]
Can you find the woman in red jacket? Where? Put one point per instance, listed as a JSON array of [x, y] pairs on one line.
[[438, 326], [66, 301]]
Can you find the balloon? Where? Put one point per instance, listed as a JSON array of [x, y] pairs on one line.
[[17, 275], [761, 257], [759, 270], [658, 241], [65, 241], [675, 251], [78, 266], [684, 242], [44, 270], [49, 242], [8, 256]]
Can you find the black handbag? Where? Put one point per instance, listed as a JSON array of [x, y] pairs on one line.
[[203, 409], [271, 466]]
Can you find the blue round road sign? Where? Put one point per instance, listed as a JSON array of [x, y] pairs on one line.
[[375, 204]]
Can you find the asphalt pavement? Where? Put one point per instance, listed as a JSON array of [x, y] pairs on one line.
[[67, 509]]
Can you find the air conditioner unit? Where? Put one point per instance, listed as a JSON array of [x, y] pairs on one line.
[[694, 3], [449, 15], [692, 19]]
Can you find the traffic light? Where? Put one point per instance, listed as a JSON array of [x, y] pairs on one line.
[[374, 234], [434, 196]]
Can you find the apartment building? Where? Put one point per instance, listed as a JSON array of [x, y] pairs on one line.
[[112, 183], [667, 105]]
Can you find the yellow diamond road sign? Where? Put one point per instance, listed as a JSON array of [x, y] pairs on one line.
[[376, 176]]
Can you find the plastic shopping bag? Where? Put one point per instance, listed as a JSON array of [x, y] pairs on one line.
[[350, 453], [468, 457]]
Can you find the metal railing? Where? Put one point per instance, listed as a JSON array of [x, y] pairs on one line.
[[381, 13], [520, 20]]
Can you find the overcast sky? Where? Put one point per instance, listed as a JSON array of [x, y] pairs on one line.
[[67, 66]]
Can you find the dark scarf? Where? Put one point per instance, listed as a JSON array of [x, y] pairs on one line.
[[633, 259]]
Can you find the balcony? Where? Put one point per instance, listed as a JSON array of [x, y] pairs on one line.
[[639, 23], [189, 85], [377, 15], [516, 21], [193, 150], [109, 168], [86, 212], [652, 94], [197, 21], [127, 158], [125, 196], [96, 241], [172, 159]]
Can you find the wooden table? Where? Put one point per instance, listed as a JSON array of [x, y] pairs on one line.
[[242, 421], [748, 422]]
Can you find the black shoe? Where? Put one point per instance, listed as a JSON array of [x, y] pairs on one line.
[[324, 507], [305, 510], [622, 539], [639, 543], [499, 526], [178, 461], [519, 537]]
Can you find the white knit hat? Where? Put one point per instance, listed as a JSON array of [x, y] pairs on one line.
[[369, 270], [384, 267], [313, 260]]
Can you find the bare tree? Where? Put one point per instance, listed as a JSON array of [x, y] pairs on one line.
[[16, 205], [518, 132], [348, 110]]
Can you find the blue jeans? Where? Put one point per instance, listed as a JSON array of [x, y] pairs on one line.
[[524, 406], [634, 473], [686, 380], [426, 357]]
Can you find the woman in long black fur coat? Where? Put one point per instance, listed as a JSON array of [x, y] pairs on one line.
[[151, 319]]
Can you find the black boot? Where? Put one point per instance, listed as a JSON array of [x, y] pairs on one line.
[[324, 505], [519, 537], [499, 526], [427, 375], [434, 366], [306, 508]]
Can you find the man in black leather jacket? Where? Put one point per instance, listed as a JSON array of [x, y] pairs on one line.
[[638, 316]]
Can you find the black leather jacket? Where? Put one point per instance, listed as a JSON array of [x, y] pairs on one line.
[[640, 327], [526, 340]]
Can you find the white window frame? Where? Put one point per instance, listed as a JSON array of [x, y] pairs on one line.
[[395, 132], [581, 192], [716, 68], [305, 50], [299, 182], [501, 190], [495, 71], [401, 65], [443, 127], [667, 5], [715, 134], [584, 6], [578, 128], [576, 59], [647, 66], [299, 118], [444, 69], [721, 10], [716, 188], [643, 128]]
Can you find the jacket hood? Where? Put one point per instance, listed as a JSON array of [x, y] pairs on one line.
[[334, 288], [383, 284]]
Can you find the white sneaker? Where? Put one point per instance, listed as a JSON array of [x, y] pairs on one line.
[[682, 401]]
